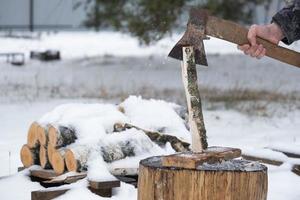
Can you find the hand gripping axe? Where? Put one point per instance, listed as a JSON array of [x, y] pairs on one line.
[[201, 24]]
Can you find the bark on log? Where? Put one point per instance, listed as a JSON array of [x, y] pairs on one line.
[[44, 160], [32, 135], [61, 136], [58, 161], [29, 156], [196, 121], [246, 182], [159, 138]]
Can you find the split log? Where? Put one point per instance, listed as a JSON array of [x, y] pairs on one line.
[[190, 160], [32, 135], [196, 121], [61, 136], [76, 158], [29, 156], [235, 179], [42, 134], [161, 139], [58, 161], [44, 160]]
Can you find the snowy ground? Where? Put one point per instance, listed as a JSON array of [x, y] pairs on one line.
[[248, 104]]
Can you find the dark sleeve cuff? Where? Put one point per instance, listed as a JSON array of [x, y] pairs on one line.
[[284, 20]]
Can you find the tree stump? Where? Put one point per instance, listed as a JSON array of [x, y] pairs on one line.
[[228, 180]]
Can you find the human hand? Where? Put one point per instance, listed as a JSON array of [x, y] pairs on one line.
[[270, 32]]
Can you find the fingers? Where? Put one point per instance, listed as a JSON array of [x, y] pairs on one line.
[[253, 49], [252, 33], [256, 51]]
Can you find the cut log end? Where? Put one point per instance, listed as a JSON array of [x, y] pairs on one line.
[[32, 136], [58, 162], [28, 156], [44, 161], [42, 135], [50, 150], [71, 162], [52, 134]]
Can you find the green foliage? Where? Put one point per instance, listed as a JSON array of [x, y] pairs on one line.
[[242, 11], [151, 20]]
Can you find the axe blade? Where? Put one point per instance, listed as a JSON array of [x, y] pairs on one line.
[[198, 45]]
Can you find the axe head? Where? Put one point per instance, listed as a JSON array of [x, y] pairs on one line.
[[193, 36]]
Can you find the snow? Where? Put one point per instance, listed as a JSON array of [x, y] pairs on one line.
[[18, 186], [97, 169], [155, 115], [88, 44], [90, 121], [28, 92]]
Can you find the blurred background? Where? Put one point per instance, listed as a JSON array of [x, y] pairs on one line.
[[61, 51]]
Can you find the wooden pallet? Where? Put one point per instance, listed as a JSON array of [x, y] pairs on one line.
[[48, 178]]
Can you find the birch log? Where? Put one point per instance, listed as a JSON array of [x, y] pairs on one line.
[[76, 158], [29, 156], [196, 122], [44, 160], [61, 136], [50, 150], [42, 135], [161, 139], [32, 135], [58, 161]]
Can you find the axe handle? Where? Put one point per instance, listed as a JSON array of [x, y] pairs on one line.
[[237, 34]]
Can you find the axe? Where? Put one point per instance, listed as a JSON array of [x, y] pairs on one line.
[[201, 24]]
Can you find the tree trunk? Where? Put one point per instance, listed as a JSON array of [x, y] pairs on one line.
[[32, 135], [44, 160], [230, 180], [61, 136], [196, 122], [58, 161], [29, 156]]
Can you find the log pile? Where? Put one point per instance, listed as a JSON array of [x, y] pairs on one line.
[[54, 147], [45, 146]]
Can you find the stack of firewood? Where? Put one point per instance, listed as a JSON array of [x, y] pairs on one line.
[[51, 147], [45, 146]]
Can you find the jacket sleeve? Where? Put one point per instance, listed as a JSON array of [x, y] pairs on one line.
[[289, 20]]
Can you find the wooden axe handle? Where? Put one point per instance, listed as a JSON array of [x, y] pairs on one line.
[[237, 34]]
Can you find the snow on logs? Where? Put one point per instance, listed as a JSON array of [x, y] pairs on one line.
[[94, 127]]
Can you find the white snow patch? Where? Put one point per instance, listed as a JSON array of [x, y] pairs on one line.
[[155, 115], [18, 186]]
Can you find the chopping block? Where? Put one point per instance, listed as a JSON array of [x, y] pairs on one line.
[[214, 174]]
